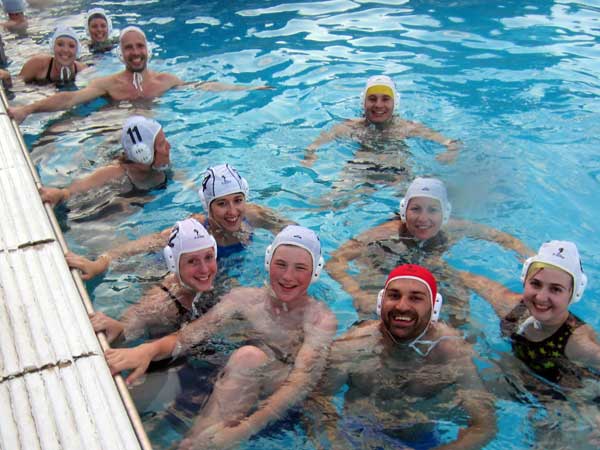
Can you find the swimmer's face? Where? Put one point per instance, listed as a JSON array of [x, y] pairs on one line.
[[547, 294], [98, 29], [198, 269], [65, 50], [406, 308], [424, 217], [135, 51], [290, 273], [229, 211], [379, 108], [162, 150]]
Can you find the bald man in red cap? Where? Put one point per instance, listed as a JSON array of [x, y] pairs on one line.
[[404, 372]]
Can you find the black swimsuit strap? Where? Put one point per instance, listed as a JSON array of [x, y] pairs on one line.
[[180, 308], [48, 79]]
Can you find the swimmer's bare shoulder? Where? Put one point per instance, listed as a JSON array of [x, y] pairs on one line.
[[362, 338], [246, 298], [167, 80], [451, 344]]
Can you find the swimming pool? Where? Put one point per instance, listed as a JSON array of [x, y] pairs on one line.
[[515, 81]]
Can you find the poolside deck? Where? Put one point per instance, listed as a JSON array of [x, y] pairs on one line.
[[56, 391]]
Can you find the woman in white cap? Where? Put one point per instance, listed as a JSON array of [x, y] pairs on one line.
[[142, 166], [15, 10], [289, 335], [61, 67], [99, 28], [184, 295], [228, 216], [378, 101], [421, 234], [545, 335]]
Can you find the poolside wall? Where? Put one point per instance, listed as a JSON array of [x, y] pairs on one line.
[[56, 391]]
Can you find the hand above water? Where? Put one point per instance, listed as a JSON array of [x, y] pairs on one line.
[[109, 326], [89, 269]]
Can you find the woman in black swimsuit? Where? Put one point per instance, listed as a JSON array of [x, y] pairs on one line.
[[146, 157], [61, 67], [553, 342], [184, 295]]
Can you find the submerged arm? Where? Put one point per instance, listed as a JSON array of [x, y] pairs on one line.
[[91, 268], [215, 86], [59, 101], [473, 397], [415, 129], [308, 367], [502, 299], [266, 218], [138, 358], [339, 264], [484, 232], [93, 181], [583, 347], [340, 130]]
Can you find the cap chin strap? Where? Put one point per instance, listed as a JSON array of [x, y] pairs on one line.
[[65, 74], [529, 321], [138, 81]]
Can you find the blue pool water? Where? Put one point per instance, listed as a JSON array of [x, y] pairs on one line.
[[516, 81]]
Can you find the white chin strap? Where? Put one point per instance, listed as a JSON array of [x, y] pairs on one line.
[[138, 81], [65, 74]]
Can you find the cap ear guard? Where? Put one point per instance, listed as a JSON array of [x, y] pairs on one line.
[[140, 153], [317, 270], [380, 301], [169, 259], [403, 205]]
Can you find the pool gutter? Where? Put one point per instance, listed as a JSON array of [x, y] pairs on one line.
[[56, 390]]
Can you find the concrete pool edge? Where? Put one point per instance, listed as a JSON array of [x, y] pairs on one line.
[[54, 382]]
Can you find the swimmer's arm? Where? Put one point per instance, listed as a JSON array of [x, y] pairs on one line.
[[232, 305], [93, 181], [502, 299], [480, 231], [261, 217], [154, 312], [583, 347], [91, 268], [415, 129], [308, 367], [338, 264], [215, 86], [476, 401], [338, 131], [137, 359], [60, 101], [34, 65]]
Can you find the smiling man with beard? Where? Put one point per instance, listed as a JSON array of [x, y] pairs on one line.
[[405, 373], [133, 83]]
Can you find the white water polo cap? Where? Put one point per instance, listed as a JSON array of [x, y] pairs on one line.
[[299, 237], [13, 6], [220, 181], [129, 29], [427, 187], [64, 31], [379, 84], [95, 13], [137, 139], [187, 236], [562, 255]]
